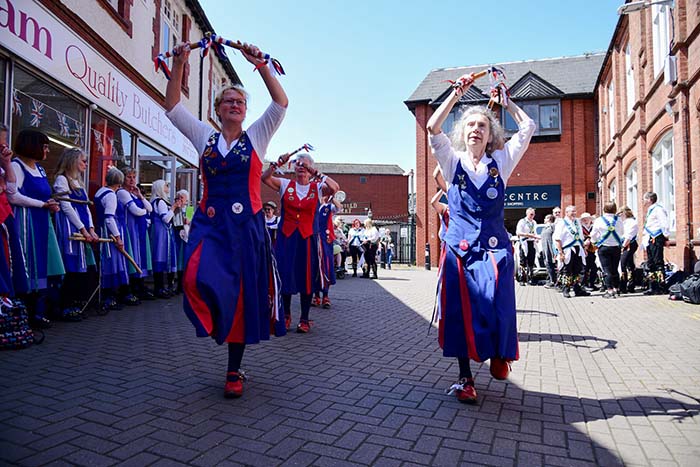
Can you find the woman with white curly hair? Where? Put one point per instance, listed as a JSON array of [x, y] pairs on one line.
[[477, 319]]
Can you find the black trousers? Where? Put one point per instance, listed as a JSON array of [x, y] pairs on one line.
[[355, 253], [551, 269], [590, 270], [575, 265], [528, 260], [655, 254], [610, 260], [627, 259]]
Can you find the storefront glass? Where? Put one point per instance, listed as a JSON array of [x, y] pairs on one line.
[[110, 146], [153, 165], [3, 65], [38, 105]]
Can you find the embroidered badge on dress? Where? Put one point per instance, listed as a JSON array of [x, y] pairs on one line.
[[211, 212]]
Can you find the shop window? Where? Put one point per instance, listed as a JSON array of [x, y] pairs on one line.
[[153, 165], [546, 115], [631, 181], [186, 179], [110, 146], [363, 180], [662, 176], [120, 10], [3, 64], [611, 109], [660, 35], [38, 105]]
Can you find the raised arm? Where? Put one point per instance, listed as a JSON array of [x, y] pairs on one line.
[[267, 178], [252, 54], [435, 122], [436, 204], [172, 91]]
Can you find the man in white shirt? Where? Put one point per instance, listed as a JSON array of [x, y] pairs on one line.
[[569, 240], [526, 233], [654, 239]]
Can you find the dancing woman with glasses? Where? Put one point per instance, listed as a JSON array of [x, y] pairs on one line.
[[228, 257]]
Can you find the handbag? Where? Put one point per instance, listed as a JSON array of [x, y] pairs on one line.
[[15, 332]]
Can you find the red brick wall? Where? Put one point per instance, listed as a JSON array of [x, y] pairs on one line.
[[637, 134], [569, 162], [386, 195]]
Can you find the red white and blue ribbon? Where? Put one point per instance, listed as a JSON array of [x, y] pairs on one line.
[[217, 42], [497, 82], [78, 136], [37, 113], [284, 158]]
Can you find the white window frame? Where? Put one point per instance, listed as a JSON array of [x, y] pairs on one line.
[[169, 24], [660, 15], [663, 176], [611, 109], [632, 187], [629, 79], [612, 190]]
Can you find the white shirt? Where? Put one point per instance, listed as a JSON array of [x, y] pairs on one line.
[[125, 199], [163, 210], [631, 228], [302, 190], [656, 222], [61, 186], [600, 228], [17, 198], [109, 202], [355, 236], [198, 132], [371, 235], [563, 233], [525, 226], [506, 158]]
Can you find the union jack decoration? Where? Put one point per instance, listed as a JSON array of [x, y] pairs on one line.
[[98, 141], [64, 127], [78, 136], [37, 113], [16, 104]]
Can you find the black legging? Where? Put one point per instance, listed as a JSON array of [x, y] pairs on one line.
[[355, 254], [655, 254], [371, 256], [627, 260], [610, 260], [305, 305]]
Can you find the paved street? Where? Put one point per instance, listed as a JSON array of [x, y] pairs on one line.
[[599, 383]]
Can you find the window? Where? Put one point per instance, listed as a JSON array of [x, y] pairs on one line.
[[38, 105], [2, 90], [631, 182], [114, 4], [363, 179], [169, 28], [110, 146], [612, 191], [662, 174], [629, 79], [153, 165], [660, 35], [546, 114], [611, 109]]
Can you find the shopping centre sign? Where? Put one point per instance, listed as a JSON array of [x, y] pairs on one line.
[[534, 196], [34, 34]]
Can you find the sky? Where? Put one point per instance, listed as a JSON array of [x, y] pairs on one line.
[[351, 64]]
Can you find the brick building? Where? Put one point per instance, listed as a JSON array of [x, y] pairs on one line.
[[85, 71], [648, 102], [560, 166], [381, 188]]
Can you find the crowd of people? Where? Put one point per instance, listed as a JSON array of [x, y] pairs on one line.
[[587, 253], [52, 246]]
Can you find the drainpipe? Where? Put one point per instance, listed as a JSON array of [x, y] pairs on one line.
[[685, 110]]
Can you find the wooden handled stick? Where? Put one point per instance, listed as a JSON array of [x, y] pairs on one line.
[[81, 238], [71, 200], [128, 257]]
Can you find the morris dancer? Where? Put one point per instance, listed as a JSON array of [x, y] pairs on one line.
[[654, 239], [297, 249], [478, 318], [138, 212], [326, 231], [71, 219], [607, 234], [228, 259], [33, 206], [568, 237]]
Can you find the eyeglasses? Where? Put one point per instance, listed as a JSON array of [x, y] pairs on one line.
[[238, 102]]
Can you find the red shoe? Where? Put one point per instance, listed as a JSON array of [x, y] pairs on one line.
[[326, 302], [303, 327], [499, 368], [234, 384], [287, 322], [464, 390], [316, 301]]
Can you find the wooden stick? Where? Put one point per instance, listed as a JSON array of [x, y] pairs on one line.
[[71, 200], [128, 257], [81, 238]]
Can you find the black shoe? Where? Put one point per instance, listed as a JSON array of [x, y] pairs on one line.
[[131, 300], [565, 292], [146, 295], [162, 293], [549, 285], [40, 323], [580, 292]]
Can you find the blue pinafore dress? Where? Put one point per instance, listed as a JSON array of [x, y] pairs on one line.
[[163, 254], [113, 263], [477, 292], [231, 291], [325, 233], [37, 235], [77, 256], [137, 238]]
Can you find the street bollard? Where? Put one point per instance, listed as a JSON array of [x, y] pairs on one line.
[[427, 256]]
